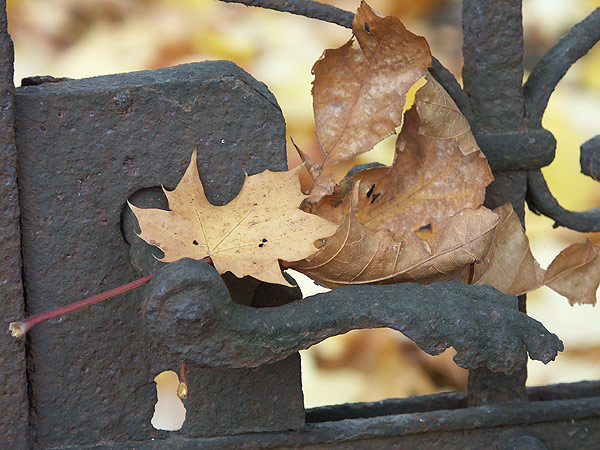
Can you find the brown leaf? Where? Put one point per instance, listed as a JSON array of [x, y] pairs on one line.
[[441, 118], [359, 93], [429, 181], [355, 255], [311, 167], [247, 236], [575, 273], [509, 265]]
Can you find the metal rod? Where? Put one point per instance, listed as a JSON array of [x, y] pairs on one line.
[[541, 200], [554, 64]]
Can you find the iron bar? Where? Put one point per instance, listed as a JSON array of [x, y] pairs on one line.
[[14, 426], [541, 200], [554, 64]]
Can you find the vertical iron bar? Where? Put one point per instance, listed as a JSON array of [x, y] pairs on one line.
[[13, 387], [493, 77]]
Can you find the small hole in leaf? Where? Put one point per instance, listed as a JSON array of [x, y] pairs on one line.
[[195, 242], [169, 412], [261, 245], [264, 240], [425, 227], [370, 191], [367, 28], [375, 196]]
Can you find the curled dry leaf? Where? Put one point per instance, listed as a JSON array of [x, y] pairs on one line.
[[441, 118], [575, 273], [355, 255], [509, 265], [429, 181], [359, 93], [247, 236]]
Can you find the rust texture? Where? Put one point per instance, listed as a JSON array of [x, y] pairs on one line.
[[13, 392], [85, 147]]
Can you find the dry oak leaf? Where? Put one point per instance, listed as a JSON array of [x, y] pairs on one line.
[[429, 181], [355, 255], [359, 93], [509, 265], [247, 236], [575, 273], [441, 118]]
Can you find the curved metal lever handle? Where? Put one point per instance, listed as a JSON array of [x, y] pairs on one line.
[[187, 307]]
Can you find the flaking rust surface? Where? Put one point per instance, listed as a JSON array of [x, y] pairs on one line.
[[13, 390], [84, 147]]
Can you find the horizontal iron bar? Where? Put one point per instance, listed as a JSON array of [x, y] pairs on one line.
[[560, 422]]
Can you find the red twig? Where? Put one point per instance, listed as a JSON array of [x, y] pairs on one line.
[[20, 329]]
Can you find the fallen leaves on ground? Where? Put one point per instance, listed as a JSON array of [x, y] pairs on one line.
[[247, 236]]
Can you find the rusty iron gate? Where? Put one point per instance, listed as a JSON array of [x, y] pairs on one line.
[[73, 153]]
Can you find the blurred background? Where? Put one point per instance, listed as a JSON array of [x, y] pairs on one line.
[[83, 38]]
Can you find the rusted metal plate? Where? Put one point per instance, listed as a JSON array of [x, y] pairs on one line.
[[84, 147], [13, 389]]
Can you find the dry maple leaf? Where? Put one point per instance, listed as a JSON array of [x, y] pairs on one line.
[[359, 93], [355, 255], [247, 236], [429, 181], [441, 118], [575, 273]]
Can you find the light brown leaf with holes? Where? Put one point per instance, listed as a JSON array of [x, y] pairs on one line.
[[429, 181], [575, 273], [359, 93], [247, 236], [441, 118], [355, 255]]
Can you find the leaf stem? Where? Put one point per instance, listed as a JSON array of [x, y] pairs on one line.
[[20, 329]]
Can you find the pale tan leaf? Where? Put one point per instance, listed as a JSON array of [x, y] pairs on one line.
[[246, 236], [575, 273], [359, 93], [509, 265], [441, 118], [429, 181], [355, 255]]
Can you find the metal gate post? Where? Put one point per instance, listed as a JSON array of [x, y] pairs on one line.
[[13, 390]]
